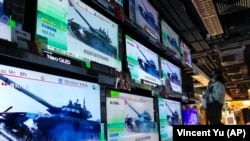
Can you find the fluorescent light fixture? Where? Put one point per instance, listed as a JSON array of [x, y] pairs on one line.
[[209, 16]]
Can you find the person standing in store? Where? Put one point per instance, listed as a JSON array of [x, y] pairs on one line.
[[215, 95]]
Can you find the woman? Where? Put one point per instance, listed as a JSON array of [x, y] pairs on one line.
[[215, 97]]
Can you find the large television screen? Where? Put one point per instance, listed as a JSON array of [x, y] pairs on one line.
[[169, 115], [146, 16], [73, 29], [41, 106], [186, 54], [172, 74], [142, 62], [190, 114], [4, 24], [130, 117], [170, 38]]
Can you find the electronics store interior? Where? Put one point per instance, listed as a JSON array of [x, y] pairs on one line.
[[118, 70]]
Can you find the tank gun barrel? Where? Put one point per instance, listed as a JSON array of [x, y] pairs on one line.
[[132, 108], [26, 92], [91, 28]]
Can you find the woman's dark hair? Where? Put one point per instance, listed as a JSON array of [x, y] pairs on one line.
[[219, 76]]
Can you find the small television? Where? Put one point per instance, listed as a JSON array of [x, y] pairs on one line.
[[43, 106], [115, 7], [74, 29], [169, 115], [170, 39], [146, 16], [172, 75], [130, 117], [143, 63], [5, 27], [190, 114], [186, 54]]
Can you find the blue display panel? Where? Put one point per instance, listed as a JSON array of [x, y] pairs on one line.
[[170, 39], [142, 62], [172, 74], [41, 106]]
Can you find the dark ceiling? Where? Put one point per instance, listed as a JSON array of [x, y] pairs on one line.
[[229, 51]]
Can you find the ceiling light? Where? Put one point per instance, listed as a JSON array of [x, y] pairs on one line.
[[209, 16]]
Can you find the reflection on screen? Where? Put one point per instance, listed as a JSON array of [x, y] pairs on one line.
[[130, 117], [43, 106]]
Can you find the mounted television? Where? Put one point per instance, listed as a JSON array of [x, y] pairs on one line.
[[170, 38], [142, 62], [115, 7], [169, 115], [130, 117], [5, 27], [42, 106], [172, 75], [73, 29], [190, 114], [185, 54], [146, 16]]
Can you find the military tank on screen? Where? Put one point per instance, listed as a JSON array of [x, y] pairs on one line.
[[69, 122], [141, 124], [98, 39]]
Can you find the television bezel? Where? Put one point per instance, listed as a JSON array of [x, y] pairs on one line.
[[109, 17], [175, 93], [137, 93], [147, 82], [177, 52]]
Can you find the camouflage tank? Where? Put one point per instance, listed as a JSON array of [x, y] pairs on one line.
[[141, 124], [95, 38], [69, 122]]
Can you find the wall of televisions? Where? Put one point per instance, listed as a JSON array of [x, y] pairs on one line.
[[92, 70]]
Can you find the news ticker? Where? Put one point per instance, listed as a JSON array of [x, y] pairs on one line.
[[225, 132]]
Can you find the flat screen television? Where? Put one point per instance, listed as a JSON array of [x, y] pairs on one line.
[[130, 117], [115, 7], [5, 27], [42, 106], [146, 16], [142, 62], [185, 54], [170, 39], [169, 115], [74, 29], [190, 114], [172, 74]]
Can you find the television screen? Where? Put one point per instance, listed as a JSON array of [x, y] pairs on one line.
[[186, 54], [142, 62], [73, 29], [130, 117], [41, 106], [115, 7], [169, 115], [170, 39], [190, 114], [172, 74], [146, 16], [4, 24]]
